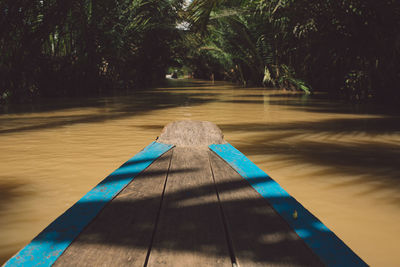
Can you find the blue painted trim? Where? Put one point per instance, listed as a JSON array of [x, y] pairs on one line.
[[45, 249], [322, 241]]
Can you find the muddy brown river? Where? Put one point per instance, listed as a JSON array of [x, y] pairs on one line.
[[341, 161]]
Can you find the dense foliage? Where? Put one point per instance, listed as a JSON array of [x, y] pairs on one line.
[[75, 47], [350, 48], [347, 47]]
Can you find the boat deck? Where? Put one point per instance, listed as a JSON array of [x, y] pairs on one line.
[[189, 199], [189, 208]]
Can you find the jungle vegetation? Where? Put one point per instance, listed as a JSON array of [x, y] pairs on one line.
[[56, 48], [349, 48]]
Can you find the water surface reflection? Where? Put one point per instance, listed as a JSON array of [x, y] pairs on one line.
[[340, 161]]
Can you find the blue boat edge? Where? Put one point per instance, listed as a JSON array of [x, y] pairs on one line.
[[49, 244], [331, 250]]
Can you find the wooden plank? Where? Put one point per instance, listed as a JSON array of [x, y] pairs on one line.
[[190, 231], [121, 234], [260, 237], [45, 248], [190, 133], [323, 242]]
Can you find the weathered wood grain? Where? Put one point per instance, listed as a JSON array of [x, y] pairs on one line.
[[121, 234], [190, 230], [190, 133], [260, 237]]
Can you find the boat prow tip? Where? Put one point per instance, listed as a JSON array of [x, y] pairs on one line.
[[191, 133]]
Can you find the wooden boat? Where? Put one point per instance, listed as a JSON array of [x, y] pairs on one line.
[[189, 198]]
